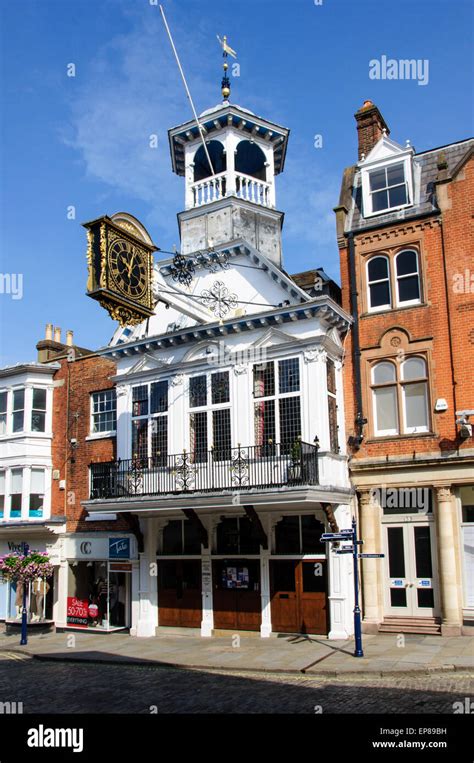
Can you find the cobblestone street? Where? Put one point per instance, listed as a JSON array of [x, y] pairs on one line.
[[101, 688]]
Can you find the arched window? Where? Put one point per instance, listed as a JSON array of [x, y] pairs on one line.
[[378, 281], [250, 160], [400, 397], [384, 390], [201, 164], [415, 395], [407, 277]]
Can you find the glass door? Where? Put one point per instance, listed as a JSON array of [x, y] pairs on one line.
[[409, 564]]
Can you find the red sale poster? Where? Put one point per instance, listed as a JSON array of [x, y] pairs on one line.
[[77, 612]]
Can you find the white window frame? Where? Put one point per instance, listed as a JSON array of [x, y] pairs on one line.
[[148, 417], [406, 383], [388, 305], [367, 210], [374, 387], [106, 433], [208, 408], [400, 384], [277, 395], [397, 278]]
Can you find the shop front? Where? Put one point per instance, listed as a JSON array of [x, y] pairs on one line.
[[99, 571], [40, 593]]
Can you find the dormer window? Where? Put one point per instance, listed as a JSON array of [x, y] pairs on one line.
[[387, 178], [388, 188]]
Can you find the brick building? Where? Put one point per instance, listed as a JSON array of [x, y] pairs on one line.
[[404, 229], [84, 432]]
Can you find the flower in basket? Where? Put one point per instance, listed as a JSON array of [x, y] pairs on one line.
[[25, 569]]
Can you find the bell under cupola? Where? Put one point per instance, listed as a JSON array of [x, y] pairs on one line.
[[229, 183]]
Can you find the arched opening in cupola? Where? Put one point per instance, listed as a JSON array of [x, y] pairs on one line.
[[218, 159], [250, 160]]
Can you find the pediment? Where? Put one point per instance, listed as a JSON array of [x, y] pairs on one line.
[[147, 363], [385, 148], [272, 337]]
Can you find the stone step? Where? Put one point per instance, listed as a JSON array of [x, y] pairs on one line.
[[427, 625]]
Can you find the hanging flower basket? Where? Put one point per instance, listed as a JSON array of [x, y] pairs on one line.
[[25, 569]]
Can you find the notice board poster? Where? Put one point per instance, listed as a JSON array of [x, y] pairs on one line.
[[77, 612]]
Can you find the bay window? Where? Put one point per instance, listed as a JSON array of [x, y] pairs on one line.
[[16, 491], [3, 412], [38, 410], [18, 410], [37, 483]]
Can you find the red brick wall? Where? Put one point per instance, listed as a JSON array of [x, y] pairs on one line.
[[427, 325], [74, 383], [458, 226]]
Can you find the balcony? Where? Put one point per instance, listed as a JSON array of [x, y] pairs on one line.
[[214, 471], [217, 187]]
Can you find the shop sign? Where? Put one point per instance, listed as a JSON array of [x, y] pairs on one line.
[[77, 612], [119, 548], [120, 567], [16, 546]]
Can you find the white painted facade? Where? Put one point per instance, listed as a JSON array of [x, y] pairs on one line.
[[260, 316]]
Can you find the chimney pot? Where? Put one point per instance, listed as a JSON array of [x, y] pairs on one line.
[[57, 334], [49, 331], [69, 336]]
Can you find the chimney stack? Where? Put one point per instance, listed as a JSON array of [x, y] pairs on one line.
[[69, 336], [57, 334], [370, 127], [49, 331]]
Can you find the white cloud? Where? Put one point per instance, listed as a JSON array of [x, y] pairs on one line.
[[133, 90]]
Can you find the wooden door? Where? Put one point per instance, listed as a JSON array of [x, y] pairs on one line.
[[299, 596], [179, 593], [284, 599], [237, 607], [312, 588]]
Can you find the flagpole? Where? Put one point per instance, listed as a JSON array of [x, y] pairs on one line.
[[187, 89]]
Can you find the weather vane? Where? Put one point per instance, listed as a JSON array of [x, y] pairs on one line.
[[226, 51]]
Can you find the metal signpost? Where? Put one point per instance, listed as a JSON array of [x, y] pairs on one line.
[[352, 536], [24, 634]]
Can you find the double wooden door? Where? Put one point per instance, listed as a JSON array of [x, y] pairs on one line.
[[236, 594], [179, 593], [299, 596]]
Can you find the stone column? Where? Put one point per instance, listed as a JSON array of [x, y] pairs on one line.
[[369, 518], [451, 622], [148, 582]]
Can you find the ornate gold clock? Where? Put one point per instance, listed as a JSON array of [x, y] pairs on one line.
[[120, 267]]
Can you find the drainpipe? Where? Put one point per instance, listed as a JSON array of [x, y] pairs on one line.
[[355, 442]]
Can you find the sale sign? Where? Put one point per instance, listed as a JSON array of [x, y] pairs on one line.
[[77, 612]]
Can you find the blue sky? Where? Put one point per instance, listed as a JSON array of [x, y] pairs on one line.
[[83, 141]]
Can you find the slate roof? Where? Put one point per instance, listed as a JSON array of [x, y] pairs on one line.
[[425, 188]]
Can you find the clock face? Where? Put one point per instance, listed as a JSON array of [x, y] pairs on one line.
[[129, 268]]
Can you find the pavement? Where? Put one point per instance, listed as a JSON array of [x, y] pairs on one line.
[[385, 654]]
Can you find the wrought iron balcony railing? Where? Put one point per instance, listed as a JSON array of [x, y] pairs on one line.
[[231, 469]]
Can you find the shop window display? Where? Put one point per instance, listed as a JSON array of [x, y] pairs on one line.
[[97, 595]]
